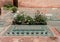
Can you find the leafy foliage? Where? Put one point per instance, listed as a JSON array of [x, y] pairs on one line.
[[10, 7], [29, 20], [14, 9], [38, 20], [19, 19]]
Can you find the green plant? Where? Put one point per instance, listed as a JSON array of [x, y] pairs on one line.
[[40, 19], [8, 6], [29, 20], [14, 9], [19, 19], [23, 19]]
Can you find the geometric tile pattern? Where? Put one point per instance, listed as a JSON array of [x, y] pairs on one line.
[[28, 30]]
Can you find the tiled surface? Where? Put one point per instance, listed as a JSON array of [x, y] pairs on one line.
[[29, 39], [31, 12], [28, 30], [58, 28], [55, 12]]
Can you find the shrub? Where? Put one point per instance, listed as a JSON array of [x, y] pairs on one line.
[[19, 19], [14, 9], [29, 20], [8, 6], [40, 19]]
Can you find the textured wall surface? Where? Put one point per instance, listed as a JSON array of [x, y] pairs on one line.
[[34, 3], [2, 2], [39, 3]]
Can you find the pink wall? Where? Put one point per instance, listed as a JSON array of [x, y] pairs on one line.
[[2, 2], [39, 3], [34, 3]]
